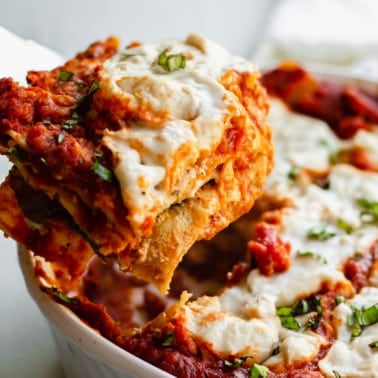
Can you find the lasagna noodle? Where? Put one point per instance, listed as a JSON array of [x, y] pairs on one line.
[[21, 213]]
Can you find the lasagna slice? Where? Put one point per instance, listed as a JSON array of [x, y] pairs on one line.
[[144, 150]]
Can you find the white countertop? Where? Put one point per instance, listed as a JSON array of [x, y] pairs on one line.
[[27, 349]]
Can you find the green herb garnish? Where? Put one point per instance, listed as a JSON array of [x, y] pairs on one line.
[[293, 173], [171, 63], [237, 362], [60, 138], [290, 322], [94, 87], [320, 232], [80, 84], [69, 124], [100, 170], [315, 304], [258, 371], [336, 374], [126, 55], [374, 344], [339, 299], [345, 226], [63, 297], [361, 318], [301, 307], [84, 99], [370, 208], [313, 255], [65, 75], [358, 255], [287, 318], [168, 340], [333, 156]]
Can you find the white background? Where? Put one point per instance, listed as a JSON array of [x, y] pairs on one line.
[[69, 26]]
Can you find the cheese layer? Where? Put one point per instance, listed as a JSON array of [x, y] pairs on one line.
[[179, 118], [242, 320]]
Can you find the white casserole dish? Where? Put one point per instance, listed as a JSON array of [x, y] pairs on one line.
[[83, 351]]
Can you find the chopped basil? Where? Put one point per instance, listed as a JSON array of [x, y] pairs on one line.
[[374, 344], [228, 363], [370, 208], [60, 138], [94, 87], [63, 297], [237, 362], [258, 371], [168, 340], [320, 232], [290, 322], [355, 328], [101, 171], [301, 307], [284, 311], [336, 374], [293, 173], [315, 304], [85, 99], [339, 299], [312, 254], [358, 255], [126, 55], [65, 75], [345, 226], [362, 317], [333, 156], [69, 124], [171, 63], [80, 84]]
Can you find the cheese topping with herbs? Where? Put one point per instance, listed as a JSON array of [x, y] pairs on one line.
[[354, 356], [176, 82], [319, 246]]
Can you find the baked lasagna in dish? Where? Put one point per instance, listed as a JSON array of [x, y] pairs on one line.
[[132, 154], [300, 298]]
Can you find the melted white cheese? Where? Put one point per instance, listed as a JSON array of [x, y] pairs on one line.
[[236, 326], [297, 143], [154, 159], [353, 357], [295, 346]]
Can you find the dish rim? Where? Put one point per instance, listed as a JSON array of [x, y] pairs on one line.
[[74, 329]]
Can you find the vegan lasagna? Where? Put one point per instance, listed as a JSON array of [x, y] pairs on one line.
[[301, 295], [132, 154]]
